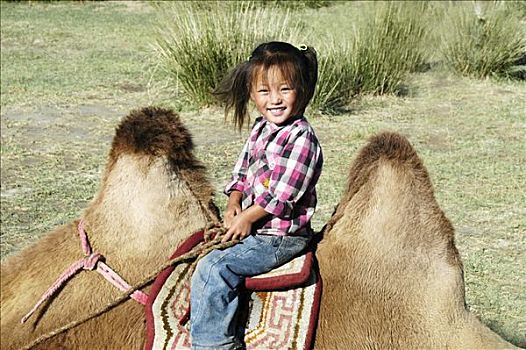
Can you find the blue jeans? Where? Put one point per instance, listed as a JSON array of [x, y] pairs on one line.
[[216, 285]]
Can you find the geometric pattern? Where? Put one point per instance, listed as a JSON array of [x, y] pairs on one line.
[[284, 319]]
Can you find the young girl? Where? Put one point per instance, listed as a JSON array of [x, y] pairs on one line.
[[272, 194]]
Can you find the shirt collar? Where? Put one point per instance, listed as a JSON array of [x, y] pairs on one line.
[[274, 127]]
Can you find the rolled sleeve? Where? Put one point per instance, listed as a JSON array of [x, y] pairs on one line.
[[234, 185], [274, 206]]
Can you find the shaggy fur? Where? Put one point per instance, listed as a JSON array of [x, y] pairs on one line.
[[392, 275], [153, 194]]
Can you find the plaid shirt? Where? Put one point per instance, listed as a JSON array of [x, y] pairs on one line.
[[278, 169]]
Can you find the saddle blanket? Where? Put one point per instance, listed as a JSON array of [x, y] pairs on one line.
[[280, 313]]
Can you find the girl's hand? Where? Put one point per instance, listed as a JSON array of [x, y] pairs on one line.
[[241, 225], [230, 213], [239, 228], [233, 208]]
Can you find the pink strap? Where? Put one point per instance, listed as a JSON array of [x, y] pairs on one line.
[[107, 272], [73, 269], [120, 283], [90, 262], [84, 242]]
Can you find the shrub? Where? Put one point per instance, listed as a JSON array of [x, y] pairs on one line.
[[199, 44], [483, 39], [386, 45], [336, 73]]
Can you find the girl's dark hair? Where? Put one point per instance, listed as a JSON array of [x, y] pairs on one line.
[[298, 65]]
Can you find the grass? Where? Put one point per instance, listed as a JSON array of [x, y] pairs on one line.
[[197, 46], [71, 71], [49, 62], [484, 39]]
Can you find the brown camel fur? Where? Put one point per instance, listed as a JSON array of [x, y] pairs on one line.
[[153, 194], [392, 275]]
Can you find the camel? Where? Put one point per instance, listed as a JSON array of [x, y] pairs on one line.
[[393, 278], [153, 194], [392, 275]]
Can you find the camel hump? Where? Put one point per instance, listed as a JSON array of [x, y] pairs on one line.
[[389, 145], [386, 145], [151, 131]]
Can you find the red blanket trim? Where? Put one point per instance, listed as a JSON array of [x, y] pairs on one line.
[[315, 312], [256, 284], [185, 247], [282, 281]]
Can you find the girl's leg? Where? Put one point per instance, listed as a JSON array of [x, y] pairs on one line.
[[216, 281]]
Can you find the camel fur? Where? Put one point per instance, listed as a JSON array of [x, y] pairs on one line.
[[392, 275], [153, 194], [393, 278]]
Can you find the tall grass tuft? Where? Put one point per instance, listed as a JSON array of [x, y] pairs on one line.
[[386, 45], [336, 73], [484, 39], [199, 44]]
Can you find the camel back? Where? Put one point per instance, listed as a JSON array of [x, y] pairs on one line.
[[153, 194], [392, 275]]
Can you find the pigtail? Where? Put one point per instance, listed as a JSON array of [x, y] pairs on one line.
[[234, 92], [312, 64]]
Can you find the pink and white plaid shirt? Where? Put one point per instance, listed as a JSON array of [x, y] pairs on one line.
[[278, 169]]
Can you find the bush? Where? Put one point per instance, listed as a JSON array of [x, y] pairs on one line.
[[387, 44], [199, 42], [336, 73], [198, 45], [484, 39]]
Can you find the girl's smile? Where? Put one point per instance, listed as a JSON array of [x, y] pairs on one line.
[[277, 112]]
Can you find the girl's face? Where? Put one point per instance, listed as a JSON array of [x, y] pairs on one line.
[[273, 95]]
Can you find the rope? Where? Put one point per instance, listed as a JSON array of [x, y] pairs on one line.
[[91, 261], [213, 234]]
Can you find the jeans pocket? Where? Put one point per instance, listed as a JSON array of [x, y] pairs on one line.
[[270, 240], [269, 246]]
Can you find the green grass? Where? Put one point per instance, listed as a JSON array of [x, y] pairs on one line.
[[198, 46], [44, 60], [484, 39], [63, 94]]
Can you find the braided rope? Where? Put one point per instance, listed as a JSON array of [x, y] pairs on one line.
[[213, 234]]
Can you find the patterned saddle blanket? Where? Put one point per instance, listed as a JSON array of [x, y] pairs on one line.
[[280, 312]]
